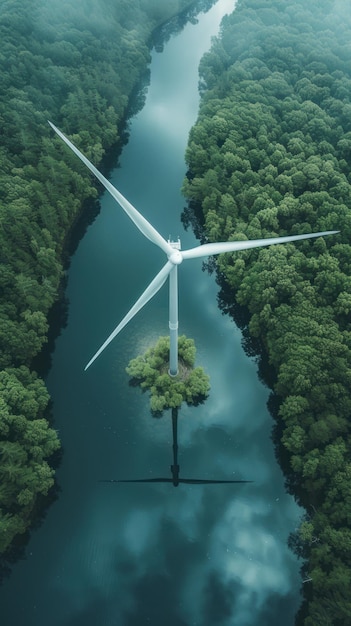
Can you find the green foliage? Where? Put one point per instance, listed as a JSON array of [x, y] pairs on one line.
[[26, 441], [77, 64], [270, 155], [150, 371]]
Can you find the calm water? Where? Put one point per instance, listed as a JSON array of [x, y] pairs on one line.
[[129, 555]]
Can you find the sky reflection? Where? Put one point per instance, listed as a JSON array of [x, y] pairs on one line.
[[141, 554]]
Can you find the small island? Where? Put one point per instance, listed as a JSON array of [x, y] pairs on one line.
[[150, 371]]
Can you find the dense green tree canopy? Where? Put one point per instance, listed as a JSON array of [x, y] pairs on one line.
[[78, 64], [270, 155]]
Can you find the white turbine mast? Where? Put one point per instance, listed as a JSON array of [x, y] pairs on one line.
[[175, 256]]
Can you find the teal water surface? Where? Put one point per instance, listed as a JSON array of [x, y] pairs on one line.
[[129, 555]]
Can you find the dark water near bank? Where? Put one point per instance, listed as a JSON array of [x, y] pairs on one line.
[[129, 555]]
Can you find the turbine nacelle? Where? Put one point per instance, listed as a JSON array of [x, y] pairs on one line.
[[175, 257]]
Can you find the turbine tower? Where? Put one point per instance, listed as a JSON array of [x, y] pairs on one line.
[[175, 256]]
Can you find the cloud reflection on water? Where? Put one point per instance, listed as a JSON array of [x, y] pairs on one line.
[[242, 564]]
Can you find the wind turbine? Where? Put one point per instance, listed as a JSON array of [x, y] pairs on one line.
[[175, 257], [175, 469]]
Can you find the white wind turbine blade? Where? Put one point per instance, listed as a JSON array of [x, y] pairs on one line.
[[232, 246], [144, 226], [149, 292]]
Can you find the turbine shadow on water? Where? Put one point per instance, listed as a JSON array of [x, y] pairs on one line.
[[175, 468]]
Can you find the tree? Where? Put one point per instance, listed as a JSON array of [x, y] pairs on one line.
[[283, 90], [150, 371]]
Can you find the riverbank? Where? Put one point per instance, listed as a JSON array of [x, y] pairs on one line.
[[53, 67], [104, 549], [269, 156]]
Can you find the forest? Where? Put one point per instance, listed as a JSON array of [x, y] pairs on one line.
[[80, 65], [270, 155]]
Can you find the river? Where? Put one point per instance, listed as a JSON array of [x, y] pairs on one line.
[[135, 554]]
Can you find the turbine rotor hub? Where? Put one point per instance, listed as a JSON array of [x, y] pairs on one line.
[[176, 257]]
